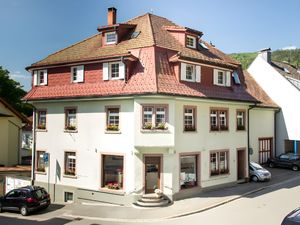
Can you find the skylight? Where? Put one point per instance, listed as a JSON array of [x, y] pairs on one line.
[[286, 70], [203, 45], [135, 34], [236, 77]]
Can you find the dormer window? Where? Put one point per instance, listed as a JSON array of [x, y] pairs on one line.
[[190, 72], [111, 38], [40, 77], [77, 74], [113, 70], [222, 78], [190, 41]]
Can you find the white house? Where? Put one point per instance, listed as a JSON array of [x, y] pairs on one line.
[[141, 105], [281, 82]]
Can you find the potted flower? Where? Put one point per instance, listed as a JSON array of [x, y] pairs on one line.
[[70, 172], [114, 186], [161, 126], [223, 127], [70, 127], [41, 126], [112, 127], [189, 128], [214, 128], [147, 126]]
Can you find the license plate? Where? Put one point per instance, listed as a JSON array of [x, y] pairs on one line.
[[43, 203]]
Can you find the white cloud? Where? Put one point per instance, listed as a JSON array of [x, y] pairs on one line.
[[19, 75], [292, 47]]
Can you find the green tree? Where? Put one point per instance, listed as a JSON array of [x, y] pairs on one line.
[[12, 92]]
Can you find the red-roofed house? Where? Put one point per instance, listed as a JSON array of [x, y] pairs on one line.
[[141, 105]]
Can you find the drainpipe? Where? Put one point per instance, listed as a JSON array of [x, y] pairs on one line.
[[248, 133], [275, 131], [33, 146]]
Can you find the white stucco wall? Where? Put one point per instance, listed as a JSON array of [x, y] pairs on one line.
[[286, 95]]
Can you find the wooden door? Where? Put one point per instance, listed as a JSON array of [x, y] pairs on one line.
[[265, 149], [152, 173], [241, 163]]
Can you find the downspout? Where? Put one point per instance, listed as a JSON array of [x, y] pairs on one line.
[[33, 146], [248, 133], [275, 131]]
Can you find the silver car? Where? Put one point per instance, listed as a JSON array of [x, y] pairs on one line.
[[258, 173]]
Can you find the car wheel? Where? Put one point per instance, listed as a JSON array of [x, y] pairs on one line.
[[271, 165], [24, 211], [254, 178], [295, 168]]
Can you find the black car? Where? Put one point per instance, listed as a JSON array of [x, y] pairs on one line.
[[25, 200], [286, 160], [293, 218]]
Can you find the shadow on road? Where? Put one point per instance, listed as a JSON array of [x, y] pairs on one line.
[[51, 208], [19, 221]]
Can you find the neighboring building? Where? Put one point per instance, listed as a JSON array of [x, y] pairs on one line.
[[26, 140], [11, 123], [141, 105], [261, 123], [281, 82]]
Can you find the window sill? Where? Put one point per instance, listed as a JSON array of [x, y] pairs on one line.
[[189, 188], [70, 176], [112, 191], [219, 176], [145, 131], [40, 173], [113, 132], [71, 131], [41, 130], [190, 131]]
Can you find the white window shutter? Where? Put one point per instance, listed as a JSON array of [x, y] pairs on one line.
[[215, 77], [45, 77], [80, 73], [121, 70], [105, 71], [183, 71], [198, 74], [35, 77], [228, 78]]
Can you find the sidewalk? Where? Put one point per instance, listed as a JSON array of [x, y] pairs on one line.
[[202, 202]]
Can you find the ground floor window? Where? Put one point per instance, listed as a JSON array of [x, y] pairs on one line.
[[69, 197], [188, 171], [112, 171], [70, 163], [219, 163], [40, 163]]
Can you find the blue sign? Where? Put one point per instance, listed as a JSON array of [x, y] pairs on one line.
[[46, 157]]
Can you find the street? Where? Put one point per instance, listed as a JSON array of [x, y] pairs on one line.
[[269, 205]]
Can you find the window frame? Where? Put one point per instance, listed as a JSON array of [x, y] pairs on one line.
[[223, 78], [68, 127], [197, 159], [111, 42], [39, 77], [194, 119], [37, 162], [154, 125], [102, 179], [193, 74], [191, 37], [66, 162], [39, 126], [110, 72], [244, 117], [218, 116], [217, 172], [107, 108]]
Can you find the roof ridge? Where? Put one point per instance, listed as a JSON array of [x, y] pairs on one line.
[[151, 29], [79, 42]]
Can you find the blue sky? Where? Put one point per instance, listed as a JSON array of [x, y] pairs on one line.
[[33, 29]]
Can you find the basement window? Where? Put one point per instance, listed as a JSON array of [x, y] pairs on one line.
[[69, 197]]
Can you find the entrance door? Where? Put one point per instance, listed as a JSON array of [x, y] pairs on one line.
[[265, 149], [152, 173], [241, 162]]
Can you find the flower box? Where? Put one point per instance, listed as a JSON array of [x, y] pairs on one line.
[[111, 127]]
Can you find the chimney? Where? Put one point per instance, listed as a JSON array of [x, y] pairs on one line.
[[111, 16], [266, 54]]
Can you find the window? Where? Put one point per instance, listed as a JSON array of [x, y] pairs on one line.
[[40, 163], [222, 78], [69, 197], [41, 119], [111, 38], [77, 74], [71, 122], [70, 163], [113, 118], [189, 119], [112, 171], [190, 72], [236, 77], [40, 77], [154, 117], [218, 119], [240, 120], [113, 71], [219, 163], [190, 41], [188, 171]]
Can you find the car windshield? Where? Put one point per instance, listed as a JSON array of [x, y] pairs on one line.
[[256, 166]]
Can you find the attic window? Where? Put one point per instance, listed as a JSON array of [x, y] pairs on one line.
[[111, 38], [203, 45], [236, 77], [190, 41], [286, 70], [135, 34]]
